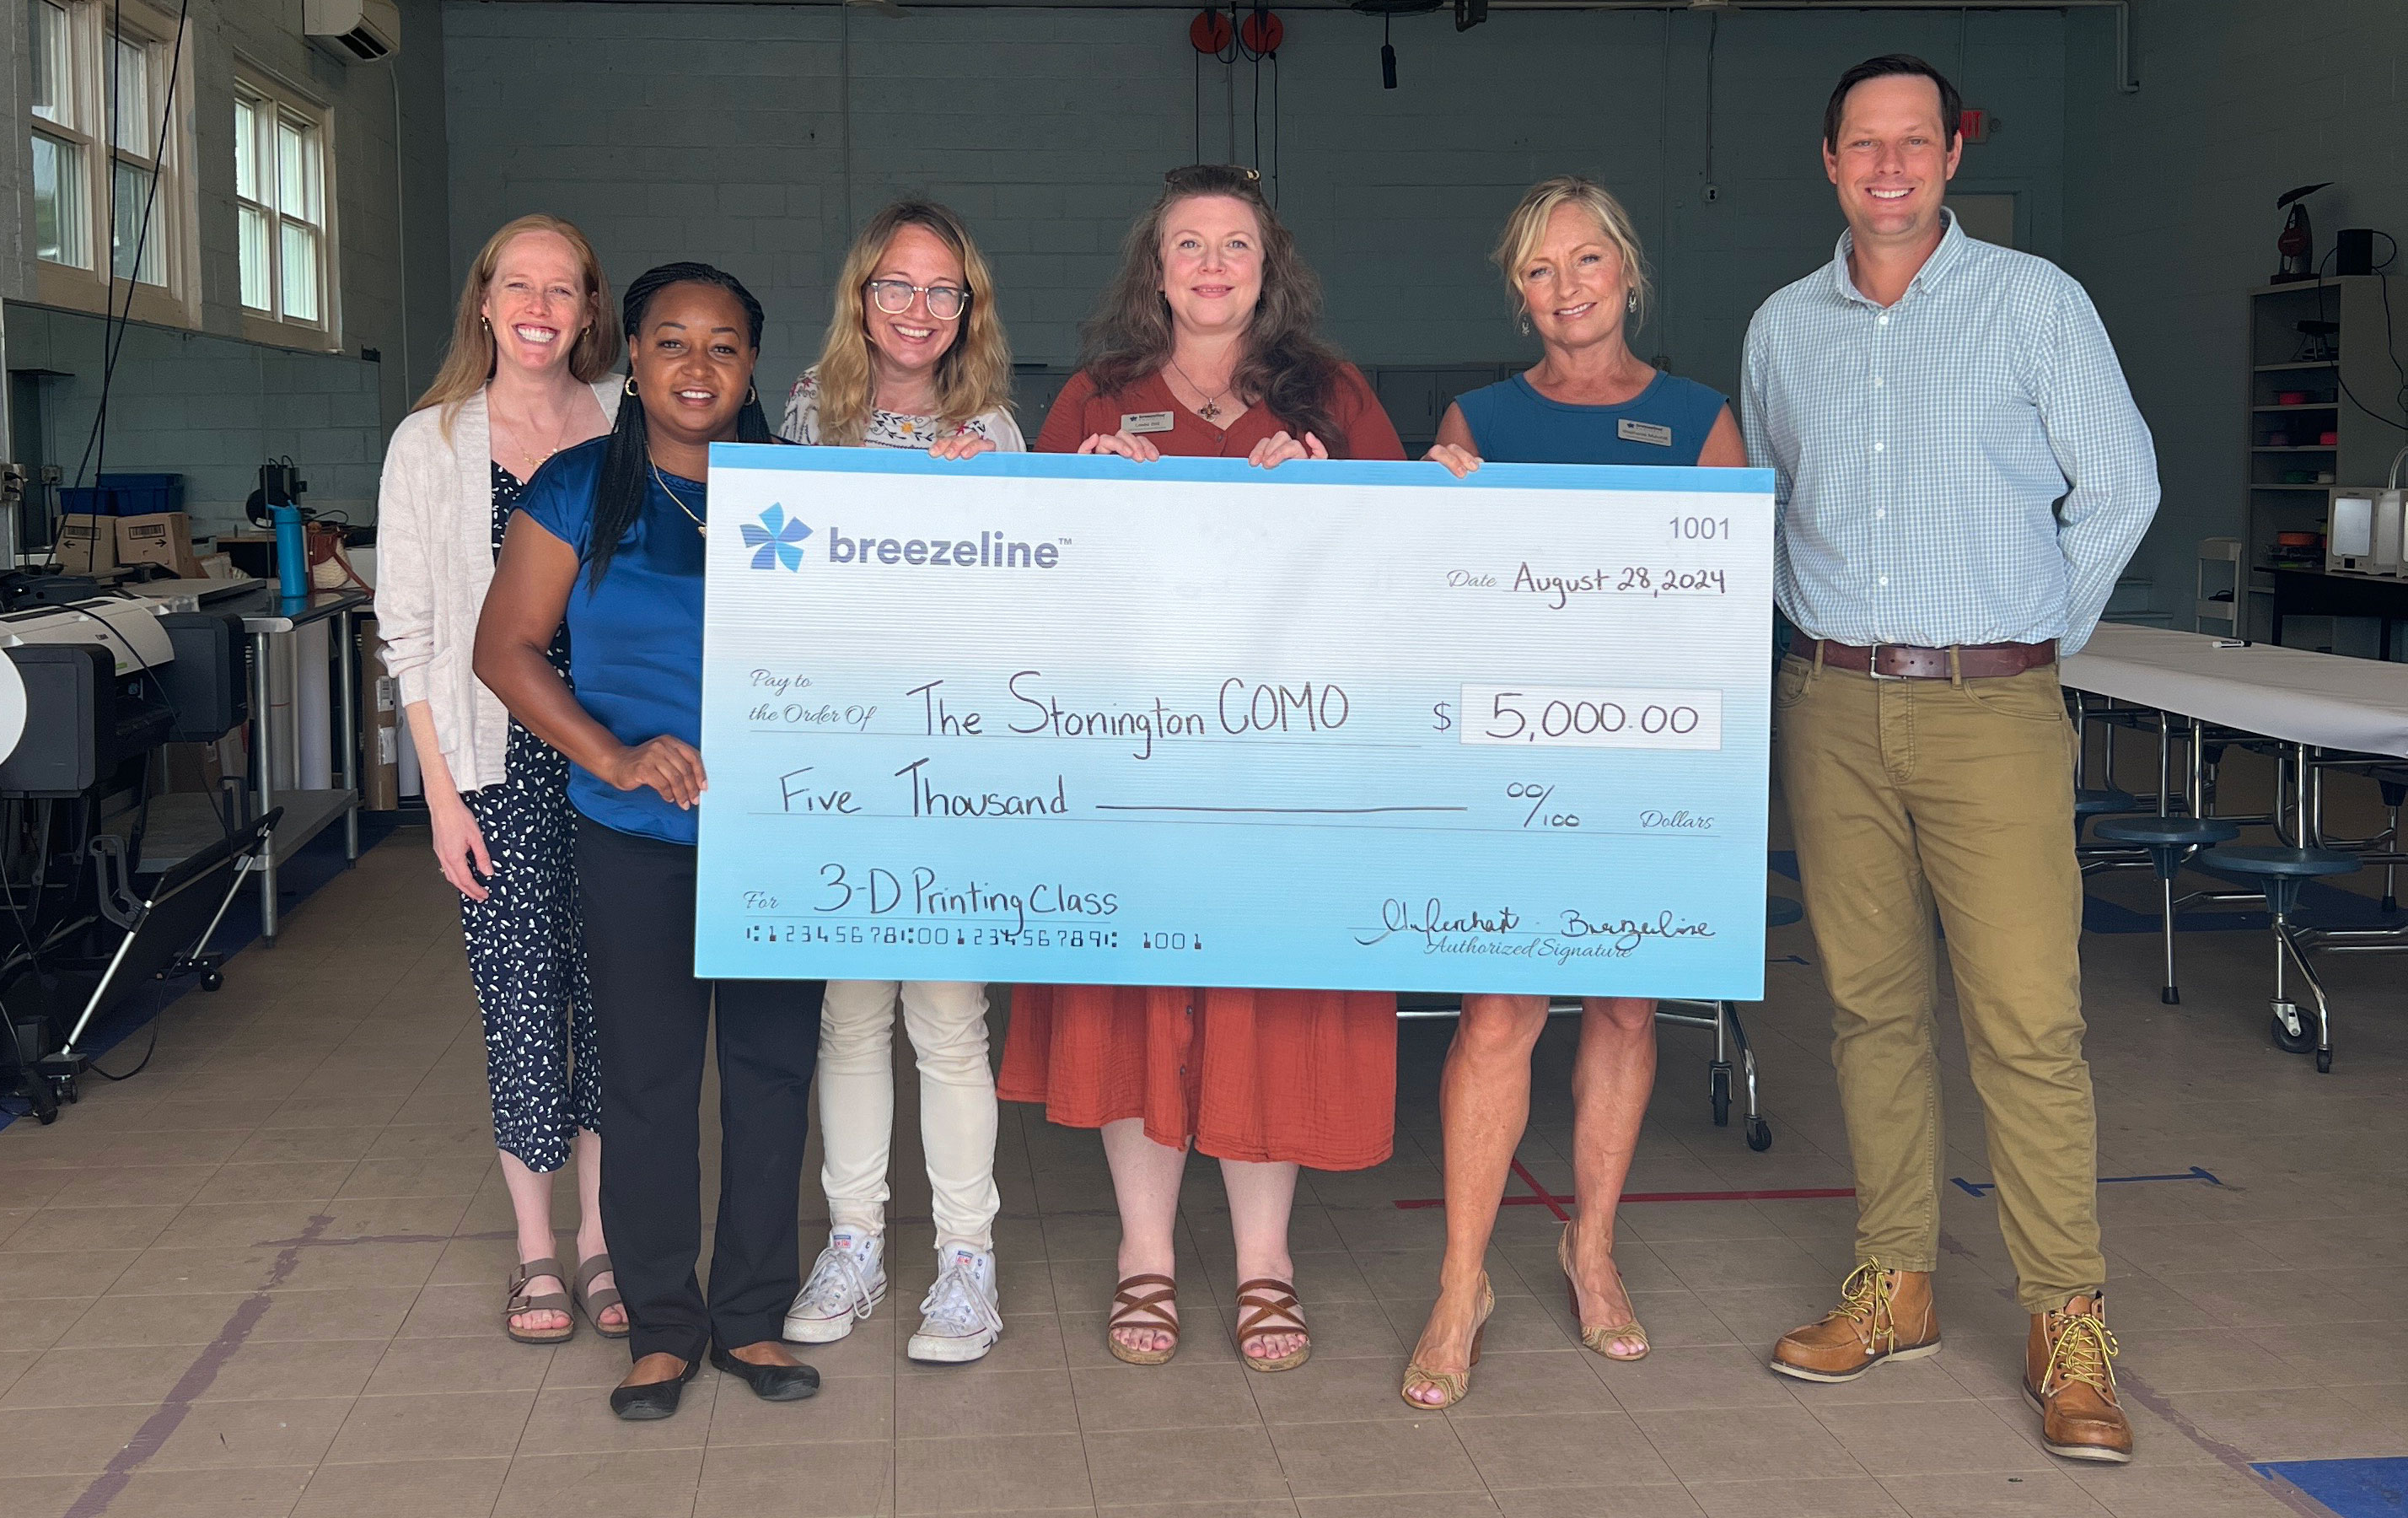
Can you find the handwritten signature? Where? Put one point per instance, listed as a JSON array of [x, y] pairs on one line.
[[1435, 920]]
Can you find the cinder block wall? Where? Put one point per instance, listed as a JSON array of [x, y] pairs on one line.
[[2170, 219], [202, 401], [758, 137]]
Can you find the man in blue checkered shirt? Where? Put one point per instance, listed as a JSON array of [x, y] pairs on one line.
[[1961, 477]]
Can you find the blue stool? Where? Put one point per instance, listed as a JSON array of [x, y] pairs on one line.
[[2099, 803], [2281, 873], [1779, 911], [2088, 804], [2170, 840]]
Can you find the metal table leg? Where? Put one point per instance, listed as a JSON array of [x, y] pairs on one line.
[[347, 661], [2197, 767], [262, 762]]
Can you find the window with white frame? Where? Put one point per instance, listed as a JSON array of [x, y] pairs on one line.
[[109, 142], [280, 172], [62, 148]]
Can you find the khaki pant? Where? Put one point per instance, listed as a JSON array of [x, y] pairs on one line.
[[1910, 794]]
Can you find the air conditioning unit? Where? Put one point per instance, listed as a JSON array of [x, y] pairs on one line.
[[354, 29]]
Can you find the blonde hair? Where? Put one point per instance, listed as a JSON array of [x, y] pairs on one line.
[[974, 374], [1528, 226], [469, 362]]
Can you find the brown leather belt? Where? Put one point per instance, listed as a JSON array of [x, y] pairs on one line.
[[1900, 661]]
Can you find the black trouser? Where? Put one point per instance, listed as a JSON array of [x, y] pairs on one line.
[[652, 1018]]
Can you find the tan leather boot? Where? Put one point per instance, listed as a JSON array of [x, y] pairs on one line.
[[2070, 1375], [1882, 1315]]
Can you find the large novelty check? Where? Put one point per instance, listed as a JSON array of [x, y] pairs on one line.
[[1328, 726]]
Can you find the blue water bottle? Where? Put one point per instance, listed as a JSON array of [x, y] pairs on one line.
[[291, 553]]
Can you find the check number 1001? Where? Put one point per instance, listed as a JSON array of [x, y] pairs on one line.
[[1593, 719]]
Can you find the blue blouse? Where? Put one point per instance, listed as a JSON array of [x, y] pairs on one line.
[[635, 641], [1667, 422]]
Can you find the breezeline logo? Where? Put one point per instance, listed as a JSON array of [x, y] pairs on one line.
[[777, 539]]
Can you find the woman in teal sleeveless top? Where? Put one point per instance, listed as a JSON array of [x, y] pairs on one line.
[[1574, 267]]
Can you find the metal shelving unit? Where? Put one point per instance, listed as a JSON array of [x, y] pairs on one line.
[[2371, 323]]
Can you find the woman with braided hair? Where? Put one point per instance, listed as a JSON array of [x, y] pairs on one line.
[[608, 538]]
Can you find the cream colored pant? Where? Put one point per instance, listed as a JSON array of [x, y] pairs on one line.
[[947, 1022]]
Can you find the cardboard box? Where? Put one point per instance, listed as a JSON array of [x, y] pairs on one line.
[[193, 768], [164, 537], [87, 544]]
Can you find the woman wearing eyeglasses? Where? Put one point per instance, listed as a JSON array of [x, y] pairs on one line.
[[915, 357], [1205, 346]]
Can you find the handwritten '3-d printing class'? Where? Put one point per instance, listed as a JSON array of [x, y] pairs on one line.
[[541, 588]]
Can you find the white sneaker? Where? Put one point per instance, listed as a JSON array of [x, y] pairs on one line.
[[960, 1320], [846, 1284]]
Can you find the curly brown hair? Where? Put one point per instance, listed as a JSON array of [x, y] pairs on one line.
[[1288, 368]]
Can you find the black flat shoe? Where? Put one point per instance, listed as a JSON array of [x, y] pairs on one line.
[[769, 1383], [654, 1399]]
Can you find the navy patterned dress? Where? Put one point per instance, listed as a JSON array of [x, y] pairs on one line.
[[526, 944]]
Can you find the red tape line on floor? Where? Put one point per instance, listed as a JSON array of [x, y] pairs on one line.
[[1544, 1198]]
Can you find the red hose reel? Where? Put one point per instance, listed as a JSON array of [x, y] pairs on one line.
[[1259, 32]]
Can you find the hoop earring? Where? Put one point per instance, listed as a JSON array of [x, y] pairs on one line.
[[752, 394], [631, 385]]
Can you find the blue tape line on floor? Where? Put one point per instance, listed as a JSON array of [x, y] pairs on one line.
[[2375, 1488], [299, 879]]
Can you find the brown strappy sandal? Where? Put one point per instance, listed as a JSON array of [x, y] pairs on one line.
[[1457, 1384], [521, 1301], [1271, 1298], [1132, 1309], [1597, 1338], [597, 1303]]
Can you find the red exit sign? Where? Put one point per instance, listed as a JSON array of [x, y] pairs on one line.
[[1973, 125]]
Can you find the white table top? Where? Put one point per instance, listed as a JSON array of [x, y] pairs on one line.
[[2323, 699]]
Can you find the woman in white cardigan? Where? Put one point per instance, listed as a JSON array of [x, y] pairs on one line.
[[527, 375]]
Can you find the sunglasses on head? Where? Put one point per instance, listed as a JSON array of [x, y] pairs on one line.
[[1212, 173]]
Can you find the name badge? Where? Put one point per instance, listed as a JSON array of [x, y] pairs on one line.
[[1642, 432], [1160, 421]]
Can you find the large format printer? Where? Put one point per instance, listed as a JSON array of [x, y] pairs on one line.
[[93, 684], [90, 688]]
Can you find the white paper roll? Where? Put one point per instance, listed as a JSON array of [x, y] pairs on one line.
[[12, 705]]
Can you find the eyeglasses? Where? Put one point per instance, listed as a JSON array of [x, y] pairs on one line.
[[1212, 173], [894, 297]]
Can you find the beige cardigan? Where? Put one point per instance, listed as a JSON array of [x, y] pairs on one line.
[[435, 560]]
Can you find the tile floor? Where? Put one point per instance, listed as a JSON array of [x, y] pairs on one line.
[[261, 1278]]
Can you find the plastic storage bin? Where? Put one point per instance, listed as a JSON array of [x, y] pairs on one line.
[[124, 496]]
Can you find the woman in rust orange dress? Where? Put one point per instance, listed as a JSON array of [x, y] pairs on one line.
[[1205, 346]]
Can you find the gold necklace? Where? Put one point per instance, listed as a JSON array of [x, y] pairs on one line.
[[559, 441], [701, 529], [1209, 410]]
